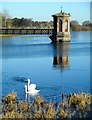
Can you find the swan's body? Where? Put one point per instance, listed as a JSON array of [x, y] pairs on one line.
[[31, 86], [32, 91]]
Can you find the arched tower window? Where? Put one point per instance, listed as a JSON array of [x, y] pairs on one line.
[[60, 26], [66, 25]]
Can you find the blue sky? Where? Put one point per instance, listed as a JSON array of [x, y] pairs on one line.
[[79, 11]]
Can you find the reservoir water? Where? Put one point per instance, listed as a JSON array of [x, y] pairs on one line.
[[54, 68]]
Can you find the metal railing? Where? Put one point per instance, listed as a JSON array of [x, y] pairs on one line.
[[25, 31]]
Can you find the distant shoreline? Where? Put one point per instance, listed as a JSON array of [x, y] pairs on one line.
[[8, 35]]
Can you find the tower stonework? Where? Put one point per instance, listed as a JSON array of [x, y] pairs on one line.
[[61, 32]]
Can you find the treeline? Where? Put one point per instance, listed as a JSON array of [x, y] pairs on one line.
[[29, 23], [26, 23], [7, 22], [75, 26]]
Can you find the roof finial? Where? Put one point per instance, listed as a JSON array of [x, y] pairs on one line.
[[61, 9]]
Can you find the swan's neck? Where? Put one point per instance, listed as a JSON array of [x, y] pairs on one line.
[[28, 84]]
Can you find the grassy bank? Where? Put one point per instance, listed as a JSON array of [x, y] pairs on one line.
[[72, 106], [11, 35], [7, 35]]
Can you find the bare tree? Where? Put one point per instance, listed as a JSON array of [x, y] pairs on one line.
[[5, 19]]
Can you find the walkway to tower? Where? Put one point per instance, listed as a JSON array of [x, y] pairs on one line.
[[26, 31]]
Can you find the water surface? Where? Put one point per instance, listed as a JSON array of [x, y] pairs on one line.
[[54, 68]]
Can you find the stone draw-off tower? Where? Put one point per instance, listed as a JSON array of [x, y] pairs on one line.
[[61, 32]]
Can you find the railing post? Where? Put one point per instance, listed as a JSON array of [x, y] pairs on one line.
[[48, 31]]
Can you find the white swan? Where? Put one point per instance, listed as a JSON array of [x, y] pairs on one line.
[[32, 91], [31, 86]]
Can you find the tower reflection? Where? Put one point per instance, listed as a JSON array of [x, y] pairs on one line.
[[61, 57]]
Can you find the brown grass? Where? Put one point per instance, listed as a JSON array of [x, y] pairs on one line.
[[75, 106]]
